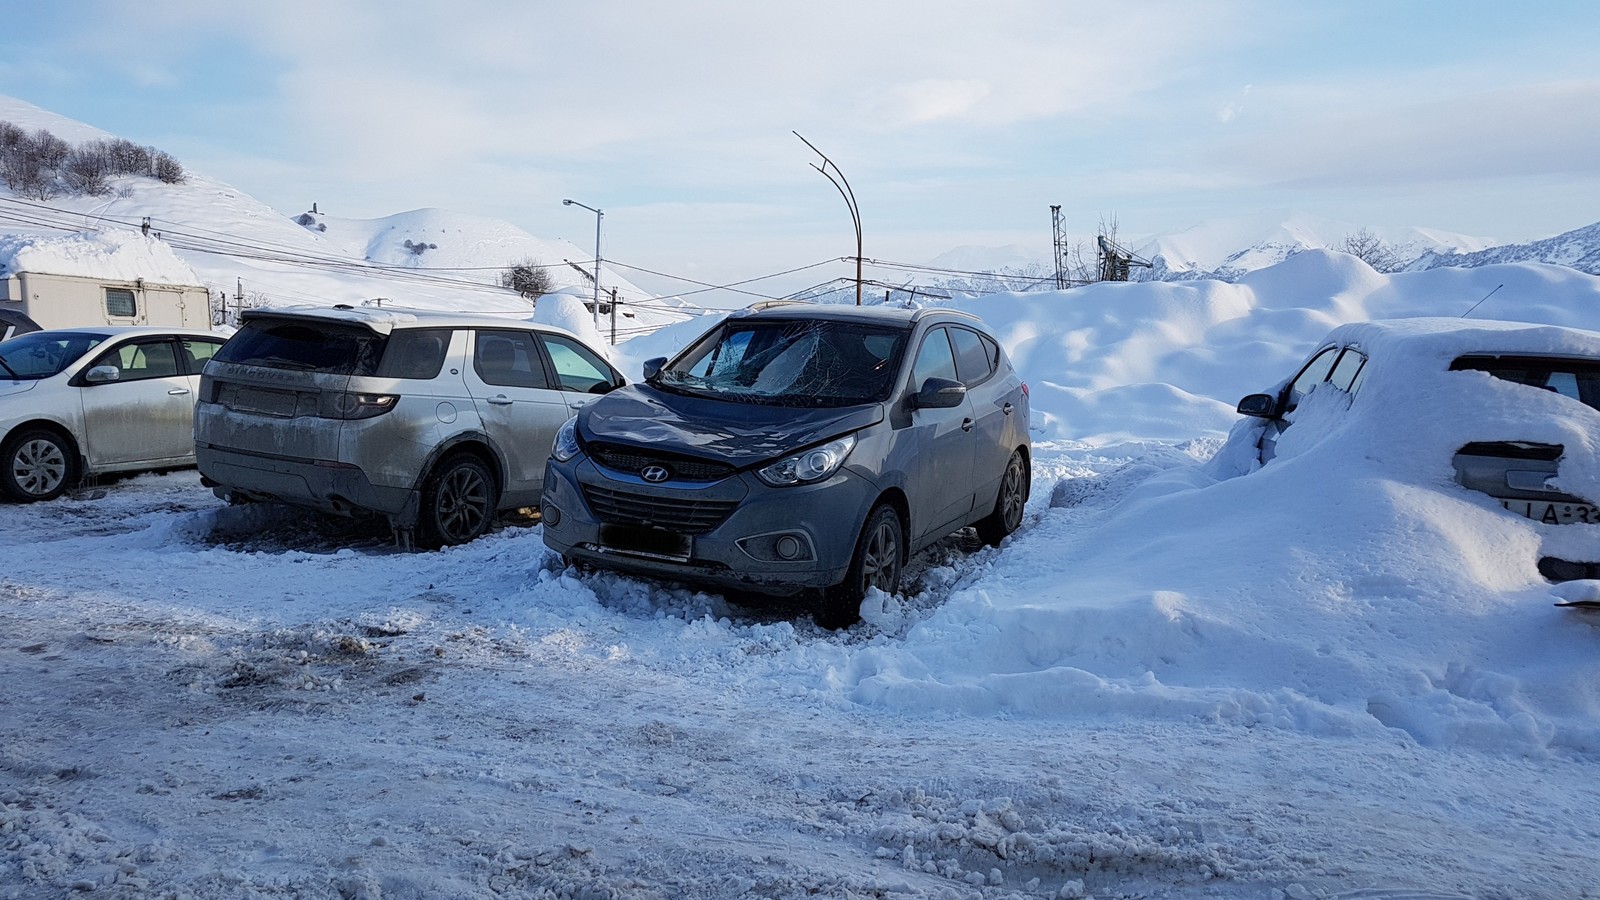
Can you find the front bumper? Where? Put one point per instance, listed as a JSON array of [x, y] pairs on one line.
[[734, 527]]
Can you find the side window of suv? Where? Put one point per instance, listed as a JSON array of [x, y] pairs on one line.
[[934, 359], [508, 358], [577, 367], [972, 357], [415, 353]]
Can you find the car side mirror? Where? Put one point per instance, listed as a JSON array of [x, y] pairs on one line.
[[1262, 406], [103, 374], [939, 393], [652, 366]]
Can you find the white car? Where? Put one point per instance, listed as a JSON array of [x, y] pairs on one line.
[[80, 402]]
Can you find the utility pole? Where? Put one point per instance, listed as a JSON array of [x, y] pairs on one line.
[[238, 299], [1058, 233], [849, 200], [613, 317]]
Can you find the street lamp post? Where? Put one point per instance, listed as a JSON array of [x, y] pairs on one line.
[[849, 199], [598, 215]]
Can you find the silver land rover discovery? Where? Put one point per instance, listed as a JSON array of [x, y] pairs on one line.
[[435, 421]]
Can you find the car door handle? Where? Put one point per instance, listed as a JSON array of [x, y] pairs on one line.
[[1007, 409], [579, 404], [178, 392], [966, 424], [500, 400]]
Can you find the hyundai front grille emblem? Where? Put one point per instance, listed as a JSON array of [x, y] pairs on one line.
[[655, 474]]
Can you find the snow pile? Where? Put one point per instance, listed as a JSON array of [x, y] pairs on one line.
[[110, 255], [1347, 587], [1112, 362]]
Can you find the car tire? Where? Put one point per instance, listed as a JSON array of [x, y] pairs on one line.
[[1007, 513], [877, 563], [38, 464], [458, 503]]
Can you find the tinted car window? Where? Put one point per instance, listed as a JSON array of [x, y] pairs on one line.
[[508, 358], [934, 360], [196, 351], [327, 347], [1575, 378], [972, 358], [42, 354], [577, 367], [415, 353]]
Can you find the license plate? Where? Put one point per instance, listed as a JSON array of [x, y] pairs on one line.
[[259, 400], [656, 542], [1554, 513]]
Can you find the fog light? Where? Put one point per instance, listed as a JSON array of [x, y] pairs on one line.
[[550, 515], [788, 547]]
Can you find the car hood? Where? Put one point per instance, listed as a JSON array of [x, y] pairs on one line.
[[740, 434], [10, 388]]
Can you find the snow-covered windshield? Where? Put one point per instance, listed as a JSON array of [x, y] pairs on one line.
[[799, 362], [41, 354]]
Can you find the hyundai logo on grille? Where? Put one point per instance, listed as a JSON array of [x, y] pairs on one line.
[[654, 474]]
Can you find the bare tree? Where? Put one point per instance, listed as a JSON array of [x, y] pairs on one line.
[[1366, 246], [88, 168], [528, 277], [165, 168]]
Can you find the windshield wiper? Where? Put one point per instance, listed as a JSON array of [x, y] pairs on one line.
[[13, 372]]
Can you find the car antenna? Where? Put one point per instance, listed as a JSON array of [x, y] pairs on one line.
[[1480, 302]]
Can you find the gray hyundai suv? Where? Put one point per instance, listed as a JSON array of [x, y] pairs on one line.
[[797, 448], [435, 421]]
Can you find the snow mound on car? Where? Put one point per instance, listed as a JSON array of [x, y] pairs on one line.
[[1348, 586]]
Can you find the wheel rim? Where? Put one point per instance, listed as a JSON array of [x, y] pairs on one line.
[[1011, 502], [463, 504], [880, 561], [39, 466]]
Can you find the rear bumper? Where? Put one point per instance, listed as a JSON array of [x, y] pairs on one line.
[[338, 488]]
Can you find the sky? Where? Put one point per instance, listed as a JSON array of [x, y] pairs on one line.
[[953, 126]]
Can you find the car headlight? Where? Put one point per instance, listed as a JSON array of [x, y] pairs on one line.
[[810, 465], [566, 443]]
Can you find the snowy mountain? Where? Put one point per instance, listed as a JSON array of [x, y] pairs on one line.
[[1225, 249], [237, 245], [1579, 248]]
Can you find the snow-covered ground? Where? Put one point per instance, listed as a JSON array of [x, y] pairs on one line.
[[1338, 676], [1316, 680]]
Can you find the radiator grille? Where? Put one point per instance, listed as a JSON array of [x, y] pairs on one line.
[[689, 516]]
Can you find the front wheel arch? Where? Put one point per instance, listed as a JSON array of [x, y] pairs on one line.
[[73, 461]]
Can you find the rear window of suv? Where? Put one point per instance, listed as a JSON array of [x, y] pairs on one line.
[[330, 348], [1575, 378]]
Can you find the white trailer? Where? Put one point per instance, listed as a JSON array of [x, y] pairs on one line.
[[69, 301]]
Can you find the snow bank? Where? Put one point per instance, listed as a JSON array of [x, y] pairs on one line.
[[1169, 360]]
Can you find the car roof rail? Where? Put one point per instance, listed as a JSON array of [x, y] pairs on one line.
[[771, 304]]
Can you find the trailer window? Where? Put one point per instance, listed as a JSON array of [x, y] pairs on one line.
[[120, 303]]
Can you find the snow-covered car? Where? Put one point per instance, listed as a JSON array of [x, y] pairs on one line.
[[436, 421], [80, 402], [797, 448], [1524, 396]]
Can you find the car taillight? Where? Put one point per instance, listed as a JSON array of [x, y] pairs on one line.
[[351, 405], [1024, 389]]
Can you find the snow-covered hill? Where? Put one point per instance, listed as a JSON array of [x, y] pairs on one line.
[[426, 258], [1225, 249], [1579, 248]]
